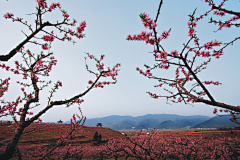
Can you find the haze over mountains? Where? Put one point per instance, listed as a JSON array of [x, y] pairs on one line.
[[161, 121]]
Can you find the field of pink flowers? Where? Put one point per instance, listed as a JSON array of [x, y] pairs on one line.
[[43, 139]]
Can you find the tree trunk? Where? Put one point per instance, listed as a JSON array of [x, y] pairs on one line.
[[12, 145]]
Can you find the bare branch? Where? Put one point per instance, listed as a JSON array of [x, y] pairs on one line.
[[158, 12]]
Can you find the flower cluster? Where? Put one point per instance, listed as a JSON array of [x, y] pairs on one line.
[[112, 73], [211, 82], [90, 56], [58, 84], [100, 66], [147, 72], [155, 96], [219, 13], [65, 15], [45, 47], [81, 27], [174, 53], [90, 82], [101, 84], [144, 37], [147, 22], [78, 101], [147, 37], [10, 108], [210, 44], [221, 25], [191, 26], [53, 62], [48, 38], [4, 86], [54, 5], [42, 4], [15, 71], [220, 110], [165, 34], [8, 15], [102, 56], [202, 53], [217, 54], [162, 55]]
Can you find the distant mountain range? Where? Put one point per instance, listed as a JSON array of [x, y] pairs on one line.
[[217, 122], [161, 121]]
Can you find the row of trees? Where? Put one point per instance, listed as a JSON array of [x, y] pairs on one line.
[[35, 66]]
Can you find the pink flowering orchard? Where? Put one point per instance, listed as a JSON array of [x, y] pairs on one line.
[[34, 66], [187, 62], [155, 146]]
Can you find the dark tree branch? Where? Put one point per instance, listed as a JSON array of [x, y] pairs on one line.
[[16, 49], [158, 12], [218, 104], [154, 29], [227, 11], [199, 82]]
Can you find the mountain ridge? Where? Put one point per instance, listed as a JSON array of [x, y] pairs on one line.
[[217, 122], [117, 122], [160, 121]]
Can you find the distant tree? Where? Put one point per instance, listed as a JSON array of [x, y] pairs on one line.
[[189, 88], [60, 121], [99, 125], [100, 137], [95, 137], [34, 66]]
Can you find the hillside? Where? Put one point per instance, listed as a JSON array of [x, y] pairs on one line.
[[50, 135], [109, 120], [125, 124], [190, 120], [169, 125], [148, 121], [217, 122]]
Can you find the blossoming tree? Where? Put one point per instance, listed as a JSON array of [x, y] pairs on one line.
[[35, 66], [185, 61]]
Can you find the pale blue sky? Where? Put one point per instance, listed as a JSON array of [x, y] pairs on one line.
[[108, 24]]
